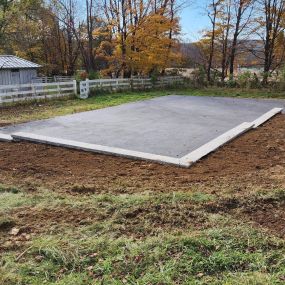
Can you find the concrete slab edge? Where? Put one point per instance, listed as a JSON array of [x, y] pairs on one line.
[[214, 144], [265, 117], [98, 148], [185, 161], [5, 138]]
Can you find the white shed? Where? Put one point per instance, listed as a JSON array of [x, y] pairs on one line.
[[15, 70]]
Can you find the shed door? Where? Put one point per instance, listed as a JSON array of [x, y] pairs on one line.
[[15, 76]]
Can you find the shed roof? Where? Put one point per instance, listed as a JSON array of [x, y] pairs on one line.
[[11, 61]]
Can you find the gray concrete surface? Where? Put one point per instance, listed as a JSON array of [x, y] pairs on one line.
[[171, 125]]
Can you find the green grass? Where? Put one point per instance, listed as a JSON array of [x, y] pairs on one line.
[[107, 251], [217, 256], [46, 109]]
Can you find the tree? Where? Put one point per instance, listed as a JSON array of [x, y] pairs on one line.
[[271, 27], [7, 10], [212, 14], [223, 32], [135, 23], [150, 49], [243, 11]]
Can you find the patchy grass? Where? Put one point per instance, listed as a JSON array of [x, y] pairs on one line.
[[28, 111], [141, 238]]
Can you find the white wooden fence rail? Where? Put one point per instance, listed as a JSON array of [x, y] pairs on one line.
[[126, 83], [13, 93], [50, 79]]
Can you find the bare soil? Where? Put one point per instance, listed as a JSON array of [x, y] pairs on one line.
[[255, 160]]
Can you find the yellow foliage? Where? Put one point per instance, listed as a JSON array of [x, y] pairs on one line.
[[149, 46]]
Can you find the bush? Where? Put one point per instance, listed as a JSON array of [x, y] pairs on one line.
[[248, 80], [199, 77], [231, 83], [81, 76], [154, 76], [281, 80], [93, 75]]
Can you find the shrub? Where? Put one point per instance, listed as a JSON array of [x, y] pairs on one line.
[[81, 75], [231, 82], [199, 76], [248, 80], [244, 79], [281, 80], [93, 75]]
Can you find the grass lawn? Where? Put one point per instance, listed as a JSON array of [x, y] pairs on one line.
[[11, 114], [107, 239]]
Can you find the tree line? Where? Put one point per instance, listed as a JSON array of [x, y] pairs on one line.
[[239, 28], [115, 37], [141, 37]]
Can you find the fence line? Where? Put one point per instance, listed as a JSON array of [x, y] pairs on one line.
[[126, 83], [21, 92], [50, 79]]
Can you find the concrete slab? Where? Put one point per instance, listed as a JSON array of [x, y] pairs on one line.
[[98, 148], [170, 126], [216, 143], [262, 119], [5, 138]]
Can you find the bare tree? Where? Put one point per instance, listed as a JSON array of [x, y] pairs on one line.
[[225, 16], [212, 14], [64, 12], [274, 12], [243, 11]]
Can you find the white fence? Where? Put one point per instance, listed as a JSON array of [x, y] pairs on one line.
[[126, 83], [50, 79], [13, 93], [32, 91]]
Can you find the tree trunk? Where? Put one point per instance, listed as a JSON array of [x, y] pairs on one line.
[[235, 38]]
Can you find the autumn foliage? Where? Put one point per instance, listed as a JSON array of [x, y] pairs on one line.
[[114, 37]]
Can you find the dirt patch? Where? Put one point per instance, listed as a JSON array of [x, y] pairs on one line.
[[258, 157], [268, 213], [136, 222], [150, 219], [34, 220]]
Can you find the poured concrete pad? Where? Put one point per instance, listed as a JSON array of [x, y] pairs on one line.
[[5, 138], [170, 126]]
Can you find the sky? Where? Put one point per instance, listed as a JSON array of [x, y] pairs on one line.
[[193, 20]]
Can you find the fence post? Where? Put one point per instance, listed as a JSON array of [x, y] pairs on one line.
[[131, 83], [74, 87], [84, 89], [33, 90], [87, 87], [58, 88]]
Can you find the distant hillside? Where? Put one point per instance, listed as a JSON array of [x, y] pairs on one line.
[[249, 54]]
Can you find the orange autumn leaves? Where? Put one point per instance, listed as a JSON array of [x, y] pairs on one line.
[[149, 46], [145, 36]]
